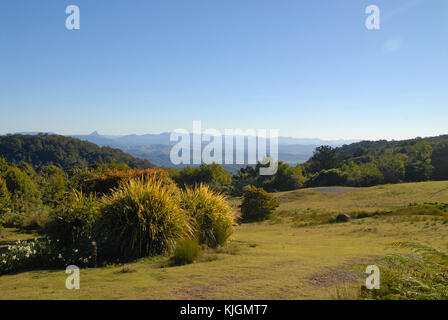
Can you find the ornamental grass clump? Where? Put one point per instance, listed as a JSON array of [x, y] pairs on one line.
[[186, 252], [212, 215], [140, 218]]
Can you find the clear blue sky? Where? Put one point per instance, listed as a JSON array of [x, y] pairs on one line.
[[309, 68]]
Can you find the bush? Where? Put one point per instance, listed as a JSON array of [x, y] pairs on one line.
[[12, 220], [33, 221], [213, 216], [73, 221], [186, 252], [331, 177], [257, 204], [142, 218], [40, 254]]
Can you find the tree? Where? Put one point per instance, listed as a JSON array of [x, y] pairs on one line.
[[5, 200], [331, 177], [23, 190], [392, 167], [53, 184], [362, 175], [286, 178], [244, 177], [324, 158], [439, 159], [419, 167], [213, 175]]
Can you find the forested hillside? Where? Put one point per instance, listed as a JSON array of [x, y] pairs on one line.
[[64, 152], [370, 163]]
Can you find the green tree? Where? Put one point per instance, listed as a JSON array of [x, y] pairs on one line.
[[24, 192], [419, 167], [53, 184], [439, 159], [286, 178], [362, 174], [324, 158], [3, 166], [331, 177], [392, 167], [5, 199], [213, 175]]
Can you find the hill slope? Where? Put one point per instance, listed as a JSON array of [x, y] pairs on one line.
[[65, 152]]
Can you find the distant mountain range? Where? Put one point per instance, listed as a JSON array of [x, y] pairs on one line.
[[156, 147]]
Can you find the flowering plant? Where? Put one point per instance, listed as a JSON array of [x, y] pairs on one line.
[[41, 253]]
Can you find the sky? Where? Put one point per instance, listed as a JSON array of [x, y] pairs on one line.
[[309, 68]]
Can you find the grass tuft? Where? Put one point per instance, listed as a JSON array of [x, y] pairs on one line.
[[213, 216]]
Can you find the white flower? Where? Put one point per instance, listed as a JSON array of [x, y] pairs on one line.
[[60, 256], [13, 257], [4, 261], [76, 250]]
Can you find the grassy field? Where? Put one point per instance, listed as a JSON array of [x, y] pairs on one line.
[[270, 260], [344, 200]]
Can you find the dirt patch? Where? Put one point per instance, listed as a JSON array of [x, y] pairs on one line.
[[345, 273], [334, 189], [333, 277]]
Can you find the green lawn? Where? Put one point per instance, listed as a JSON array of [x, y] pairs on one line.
[[264, 260]]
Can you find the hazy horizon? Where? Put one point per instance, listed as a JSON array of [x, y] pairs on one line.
[[167, 132]]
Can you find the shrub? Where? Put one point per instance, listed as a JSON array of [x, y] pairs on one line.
[[213, 216], [142, 218], [12, 220], [186, 252], [331, 177], [39, 254], [34, 221], [73, 221], [257, 204]]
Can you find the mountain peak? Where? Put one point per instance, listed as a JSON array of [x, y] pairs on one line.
[[95, 133]]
